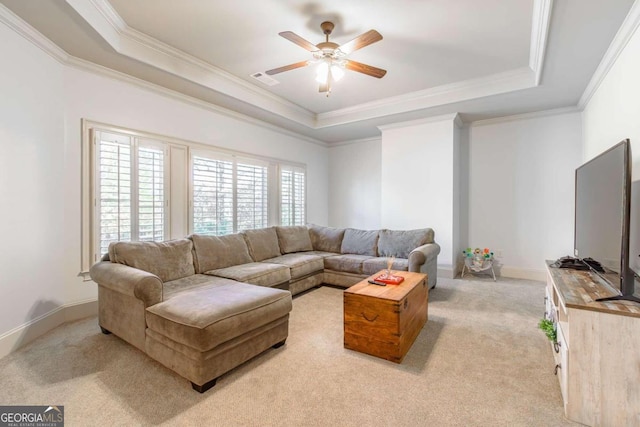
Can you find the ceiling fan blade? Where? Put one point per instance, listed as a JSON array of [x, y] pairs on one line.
[[287, 68], [361, 41], [293, 37], [365, 69]]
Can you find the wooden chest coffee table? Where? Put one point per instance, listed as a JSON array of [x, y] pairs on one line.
[[384, 321]]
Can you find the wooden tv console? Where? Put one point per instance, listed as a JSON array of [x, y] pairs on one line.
[[597, 353]]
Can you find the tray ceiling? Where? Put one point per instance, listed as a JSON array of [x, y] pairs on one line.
[[482, 59]]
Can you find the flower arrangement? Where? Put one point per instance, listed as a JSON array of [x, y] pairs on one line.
[[477, 256]]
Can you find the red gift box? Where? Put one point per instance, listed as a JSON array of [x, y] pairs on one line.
[[389, 280]]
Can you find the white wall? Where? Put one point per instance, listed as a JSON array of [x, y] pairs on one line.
[[521, 189], [613, 114], [32, 178], [418, 183], [354, 183], [42, 105], [507, 185]]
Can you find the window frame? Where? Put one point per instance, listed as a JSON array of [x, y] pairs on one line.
[[234, 159], [135, 143], [178, 186]]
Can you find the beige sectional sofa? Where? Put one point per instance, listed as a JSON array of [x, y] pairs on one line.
[[205, 304]]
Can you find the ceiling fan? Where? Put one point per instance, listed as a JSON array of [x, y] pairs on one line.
[[331, 56]]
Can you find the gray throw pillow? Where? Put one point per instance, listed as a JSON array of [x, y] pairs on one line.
[[214, 252], [360, 242], [262, 243], [326, 239], [400, 243], [294, 239], [169, 260]]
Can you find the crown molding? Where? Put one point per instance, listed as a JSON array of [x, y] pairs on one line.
[[620, 41], [526, 116], [32, 35], [454, 118], [508, 81], [100, 15], [540, 22], [169, 93], [109, 13], [105, 20], [356, 141]]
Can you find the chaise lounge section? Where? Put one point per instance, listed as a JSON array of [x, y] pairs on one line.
[[205, 304]]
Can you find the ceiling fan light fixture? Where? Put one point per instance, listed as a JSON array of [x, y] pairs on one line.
[[336, 72], [330, 57], [322, 73]]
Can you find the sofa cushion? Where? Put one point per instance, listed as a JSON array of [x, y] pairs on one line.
[[321, 253], [400, 243], [213, 252], [300, 264], [168, 260], [346, 263], [373, 265], [360, 242], [205, 318], [294, 239], [189, 283], [262, 243], [257, 273], [326, 239]]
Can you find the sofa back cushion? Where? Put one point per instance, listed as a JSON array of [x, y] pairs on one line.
[[400, 243], [326, 239], [294, 239], [169, 260], [262, 243], [214, 252], [360, 242]]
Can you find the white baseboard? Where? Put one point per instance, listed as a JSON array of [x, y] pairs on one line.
[[446, 271], [24, 334], [500, 270], [523, 273]]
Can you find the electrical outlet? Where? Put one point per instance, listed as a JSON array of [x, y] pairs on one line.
[[499, 253]]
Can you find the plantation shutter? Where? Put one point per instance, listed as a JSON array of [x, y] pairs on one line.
[[130, 190], [212, 195], [151, 198], [292, 196], [114, 189], [251, 195]]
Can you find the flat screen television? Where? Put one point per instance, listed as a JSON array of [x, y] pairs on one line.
[[602, 218]]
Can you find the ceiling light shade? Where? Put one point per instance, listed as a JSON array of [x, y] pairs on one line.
[[336, 72], [322, 73]]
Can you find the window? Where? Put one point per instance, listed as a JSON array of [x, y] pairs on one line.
[[212, 196], [142, 187], [229, 194], [292, 196], [252, 195], [129, 190]]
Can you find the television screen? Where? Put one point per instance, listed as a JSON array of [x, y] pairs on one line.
[[602, 212]]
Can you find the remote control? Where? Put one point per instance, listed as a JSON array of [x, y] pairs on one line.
[[373, 282]]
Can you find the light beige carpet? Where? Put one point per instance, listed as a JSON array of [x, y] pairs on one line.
[[479, 361]]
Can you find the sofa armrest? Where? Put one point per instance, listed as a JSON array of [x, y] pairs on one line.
[[127, 280], [423, 255]]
